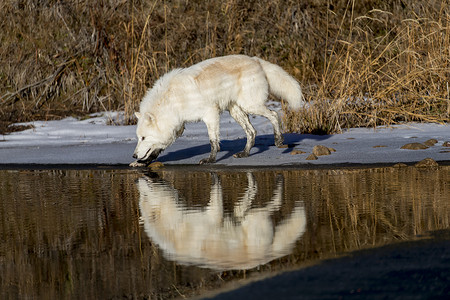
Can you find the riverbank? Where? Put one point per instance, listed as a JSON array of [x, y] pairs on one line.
[[92, 141]]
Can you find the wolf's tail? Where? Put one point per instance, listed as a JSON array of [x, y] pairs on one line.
[[282, 85]]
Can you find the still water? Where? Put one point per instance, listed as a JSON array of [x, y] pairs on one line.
[[181, 232]]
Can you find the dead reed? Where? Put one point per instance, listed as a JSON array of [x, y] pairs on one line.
[[361, 63]]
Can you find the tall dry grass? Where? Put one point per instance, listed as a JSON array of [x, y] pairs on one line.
[[361, 63], [382, 67]]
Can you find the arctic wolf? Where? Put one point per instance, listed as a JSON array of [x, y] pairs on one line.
[[237, 83], [212, 238]]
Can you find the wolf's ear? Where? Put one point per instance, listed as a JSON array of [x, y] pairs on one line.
[[138, 115], [148, 117]]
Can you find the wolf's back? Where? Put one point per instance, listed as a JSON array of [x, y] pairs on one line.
[[282, 85]]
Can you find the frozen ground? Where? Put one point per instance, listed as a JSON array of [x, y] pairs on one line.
[[92, 141]]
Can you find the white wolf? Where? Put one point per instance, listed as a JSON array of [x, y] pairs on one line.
[[237, 83]]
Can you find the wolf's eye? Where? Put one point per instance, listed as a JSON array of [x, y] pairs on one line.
[[143, 138]]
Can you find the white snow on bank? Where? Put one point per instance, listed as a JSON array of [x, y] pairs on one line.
[[92, 141]]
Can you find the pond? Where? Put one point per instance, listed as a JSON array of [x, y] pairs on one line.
[[181, 231]]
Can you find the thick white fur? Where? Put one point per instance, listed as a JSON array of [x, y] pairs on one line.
[[237, 83]]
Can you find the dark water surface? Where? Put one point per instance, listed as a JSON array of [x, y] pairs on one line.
[[102, 234]]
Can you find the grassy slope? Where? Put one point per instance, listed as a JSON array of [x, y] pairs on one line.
[[362, 63]]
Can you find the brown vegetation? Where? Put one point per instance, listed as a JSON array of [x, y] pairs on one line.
[[361, 63]]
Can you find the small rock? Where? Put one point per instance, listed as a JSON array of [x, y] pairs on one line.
[[295, 152], [319, 150], [136, 164], [446, 144], [311, 157], [427, 163], [430, 142], [414, 146], [379, 146], [156, 165], [400, 165]]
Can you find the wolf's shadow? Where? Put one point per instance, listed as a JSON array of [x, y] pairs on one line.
[[230, 147]]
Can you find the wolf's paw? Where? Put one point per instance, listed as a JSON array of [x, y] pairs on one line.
[[240, 154], [208, 160], [279, 143], [136, 164], [279, 140]]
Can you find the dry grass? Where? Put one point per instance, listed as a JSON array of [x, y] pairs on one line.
[[361, 63], [382, 67]]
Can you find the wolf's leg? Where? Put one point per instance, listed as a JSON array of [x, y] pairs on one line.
[[212, 123], [245, 202], [252, 101], [180, 131], [273, 118], [242, 118], [214, 209], [212, 156], [277, 198]]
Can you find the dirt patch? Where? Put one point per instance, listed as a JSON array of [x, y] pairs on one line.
[[430, 142], [8, 127], [295, 152], [414, 146], [320, 150], [311, 157]]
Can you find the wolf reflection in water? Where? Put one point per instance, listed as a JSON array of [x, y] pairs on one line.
[[209, 238]]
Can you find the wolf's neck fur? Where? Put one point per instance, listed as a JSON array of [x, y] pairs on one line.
[[156, 93]]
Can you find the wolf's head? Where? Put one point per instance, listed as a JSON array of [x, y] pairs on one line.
[[151, 139]]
